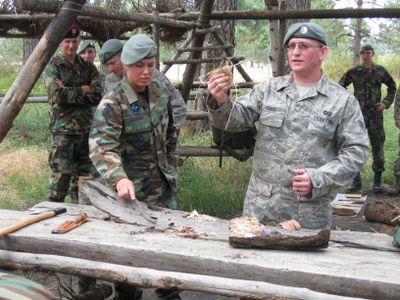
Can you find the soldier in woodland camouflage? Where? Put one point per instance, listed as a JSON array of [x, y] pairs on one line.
[[14, 287], [395, 188], [110, 56], [311, 135], [367, 79], [73, 91], [133, 140]]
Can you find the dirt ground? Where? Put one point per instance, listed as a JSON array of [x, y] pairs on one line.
[[358, 223]]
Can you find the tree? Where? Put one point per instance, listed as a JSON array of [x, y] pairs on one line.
[[278, 29]]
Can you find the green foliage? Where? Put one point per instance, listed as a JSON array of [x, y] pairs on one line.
[[252, 36]]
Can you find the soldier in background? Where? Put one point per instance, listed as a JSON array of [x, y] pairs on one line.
[[14, 287], [311, 136], [395, 188], [73, 90], [87, 50], [110, 56], [367, 79], [133, 139]]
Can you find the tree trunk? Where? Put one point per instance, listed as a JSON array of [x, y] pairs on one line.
[[28, 46], [357, 37], [278, 30]]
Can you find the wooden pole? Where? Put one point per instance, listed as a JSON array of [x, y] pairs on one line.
[[150, 278], [97, 12], [198, 41], [30, 72], [294, 14]]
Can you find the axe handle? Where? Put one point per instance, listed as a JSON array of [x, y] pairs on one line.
[[27, 221]]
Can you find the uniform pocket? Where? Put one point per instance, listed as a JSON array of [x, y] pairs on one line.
[[272, 118], [322, 127]]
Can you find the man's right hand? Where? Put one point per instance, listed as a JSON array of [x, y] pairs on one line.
[[126, 189], [219, 85], [85, 89]]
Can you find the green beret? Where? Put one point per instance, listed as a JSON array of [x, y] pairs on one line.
[[305, 30], [138, 47], [73, 31], [366, 47], [109, 49], [85, 44]]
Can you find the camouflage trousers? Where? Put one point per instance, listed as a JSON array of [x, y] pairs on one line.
[[396, 166], [68, 159], [374, 123], [14, 287]]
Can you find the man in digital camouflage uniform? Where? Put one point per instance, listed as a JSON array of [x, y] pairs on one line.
[[14, 287], [110, 56], [73, 91], [133, 139], [311, 135], [367, 79]]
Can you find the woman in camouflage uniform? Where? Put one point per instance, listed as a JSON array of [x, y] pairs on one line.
[[133, 140]]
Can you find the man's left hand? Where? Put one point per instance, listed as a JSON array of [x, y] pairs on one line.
[[380, 106], [301, 183]]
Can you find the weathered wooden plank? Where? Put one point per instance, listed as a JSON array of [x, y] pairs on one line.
[[336, 270], [150, 278]]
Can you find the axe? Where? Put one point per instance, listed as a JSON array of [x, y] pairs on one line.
[[32, 219]]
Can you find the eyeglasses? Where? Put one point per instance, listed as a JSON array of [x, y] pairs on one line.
[[301, 46]]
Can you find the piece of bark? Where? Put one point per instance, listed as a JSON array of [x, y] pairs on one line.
[[248, 232], [381, 211]]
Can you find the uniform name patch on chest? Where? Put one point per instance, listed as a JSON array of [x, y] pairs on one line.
[[322, 119], [134, 107]]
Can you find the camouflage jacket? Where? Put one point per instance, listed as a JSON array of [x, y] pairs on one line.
[[178, 104], [133, 138], [71, 112], [14, 287], [322, 132], [367, 85], [396, 105]]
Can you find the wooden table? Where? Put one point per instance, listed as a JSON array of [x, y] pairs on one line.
[[152, 258]]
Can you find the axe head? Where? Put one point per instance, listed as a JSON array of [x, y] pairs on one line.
[[39, 210]]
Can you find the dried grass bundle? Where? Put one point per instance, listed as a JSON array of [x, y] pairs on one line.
[[227, 70]]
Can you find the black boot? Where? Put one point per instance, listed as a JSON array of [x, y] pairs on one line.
[[395, 188], [378, 189], [356, 184]]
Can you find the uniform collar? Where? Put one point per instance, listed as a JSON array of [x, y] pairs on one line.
[[321, 87]]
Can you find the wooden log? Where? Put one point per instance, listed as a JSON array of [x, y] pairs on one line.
[[198, 41], [343, 13], [97, 12], [197, 115], [177, 54], [205, 48], [30, 72], [189, 151], [33, 99], [196, 61], [381, 211], [150, 278]]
